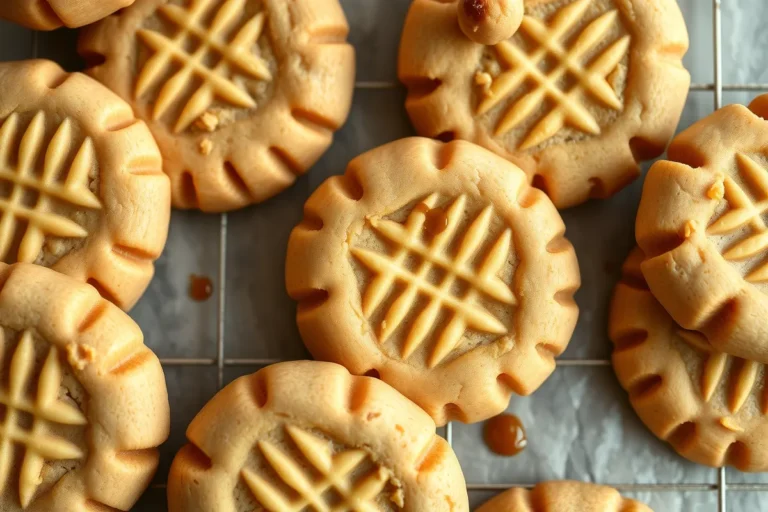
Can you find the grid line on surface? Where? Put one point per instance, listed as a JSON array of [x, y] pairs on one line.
[[722, 487]]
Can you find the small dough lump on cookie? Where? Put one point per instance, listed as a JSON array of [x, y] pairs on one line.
[[490, 21]]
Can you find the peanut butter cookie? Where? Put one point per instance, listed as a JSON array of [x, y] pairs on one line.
[[437, 267], [565, 496], [308, 435], [710, 406], [83, 401], [51, 14], [242, 95], [576, 98], [702, 224], [81, 184]]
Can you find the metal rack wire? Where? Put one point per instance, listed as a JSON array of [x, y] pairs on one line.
[[722, 487]]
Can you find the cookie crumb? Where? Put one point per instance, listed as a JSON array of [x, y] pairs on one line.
[[690, 228], [484, 80], [208, 121], [717, 190], [730, 424], [398, 497], [79, 356], [205, 146]]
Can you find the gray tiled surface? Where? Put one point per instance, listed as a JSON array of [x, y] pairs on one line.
[[581, 424]]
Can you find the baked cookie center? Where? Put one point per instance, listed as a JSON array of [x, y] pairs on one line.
[[39, 176], [440, 278], [198, 83], [567, 65]]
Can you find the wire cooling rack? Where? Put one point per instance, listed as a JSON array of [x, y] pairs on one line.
[[220, 362]]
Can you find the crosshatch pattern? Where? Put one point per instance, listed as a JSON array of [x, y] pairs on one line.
[[591, 80], [217, 81], [466, 312], [203, 336], [23, 177]]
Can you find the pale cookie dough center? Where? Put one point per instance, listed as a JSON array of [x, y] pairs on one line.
[[49, 182], [560, 78], [205, 64], [435, 278]]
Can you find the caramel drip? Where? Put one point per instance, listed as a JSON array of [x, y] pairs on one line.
[[200, 288], [505, 435]]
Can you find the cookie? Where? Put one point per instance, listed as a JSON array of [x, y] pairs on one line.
[[710, 406], [308, 435], [565, 496], [81, 184], [581, 93], [242, 96], [52, 14], [490, 21], [702, 226], [83, 401], [437, 267]]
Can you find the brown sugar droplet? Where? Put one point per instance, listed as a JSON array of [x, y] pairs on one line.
[[436, 220], [505, 435], [200, 288]]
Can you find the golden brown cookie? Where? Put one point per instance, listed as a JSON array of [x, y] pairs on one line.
[[437, 267], [81, 184], [710, 406], [565, 496], [581, 93], [489, 21], [702, 225], [307, 435], [242, 95], [51, 14], [83, 401]]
